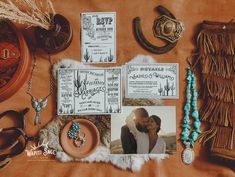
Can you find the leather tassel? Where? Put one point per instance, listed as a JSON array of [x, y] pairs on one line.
[[217, 113], [207, 135], [219, 89], [219, 43], [220, 142], [216, 134], [217, 65]]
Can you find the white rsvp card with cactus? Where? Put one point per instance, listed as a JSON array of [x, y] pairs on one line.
[[158, 80], [98, 37], [89, 91]]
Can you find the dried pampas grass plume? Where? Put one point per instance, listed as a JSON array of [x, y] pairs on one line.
[[28, 12]]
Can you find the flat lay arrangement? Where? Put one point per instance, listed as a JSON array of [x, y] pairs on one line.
[[95, 91]]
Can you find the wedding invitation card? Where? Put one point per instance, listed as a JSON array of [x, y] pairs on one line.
[[98, 37], [152, 81], [89, 91]]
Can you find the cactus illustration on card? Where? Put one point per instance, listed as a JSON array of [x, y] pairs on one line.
[[86, 56], [98, 37]]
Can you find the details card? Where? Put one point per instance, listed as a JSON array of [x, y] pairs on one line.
[[152, 81], [89, 91], [98, 37]]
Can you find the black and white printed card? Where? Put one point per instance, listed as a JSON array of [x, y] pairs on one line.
[[89, 91], [98, 37], [152, 81]]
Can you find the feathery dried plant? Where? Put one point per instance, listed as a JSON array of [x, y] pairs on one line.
[[28, 12]]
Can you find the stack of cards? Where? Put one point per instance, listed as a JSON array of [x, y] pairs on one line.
[[99, 91]]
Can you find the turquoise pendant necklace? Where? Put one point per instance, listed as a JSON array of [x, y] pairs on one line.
[[191, 101], [38, 103]]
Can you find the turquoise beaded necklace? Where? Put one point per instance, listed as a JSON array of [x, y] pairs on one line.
[[191, 95]]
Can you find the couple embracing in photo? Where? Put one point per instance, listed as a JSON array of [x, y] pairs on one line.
[[140, 134]]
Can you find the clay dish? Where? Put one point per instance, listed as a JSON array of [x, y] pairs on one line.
[[92, 139]]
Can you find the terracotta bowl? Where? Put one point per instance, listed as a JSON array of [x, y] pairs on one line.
[[92, 139], [15, 68]]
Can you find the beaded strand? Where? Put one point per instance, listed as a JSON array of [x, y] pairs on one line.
[[191, 92]]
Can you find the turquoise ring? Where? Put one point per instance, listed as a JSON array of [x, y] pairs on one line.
[[75, 128]]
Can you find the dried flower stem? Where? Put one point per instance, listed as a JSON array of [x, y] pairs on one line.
[[34, 16]]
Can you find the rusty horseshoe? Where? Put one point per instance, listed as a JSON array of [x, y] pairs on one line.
[[165, 27]]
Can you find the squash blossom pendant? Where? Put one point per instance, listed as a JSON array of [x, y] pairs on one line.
[[38, 105], [191, 91]]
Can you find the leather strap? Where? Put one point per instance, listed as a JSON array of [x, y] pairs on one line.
[[16, 151], [5, 163], [19, 117], [19, 132]]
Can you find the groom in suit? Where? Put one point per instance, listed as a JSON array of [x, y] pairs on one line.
[[128, 141]]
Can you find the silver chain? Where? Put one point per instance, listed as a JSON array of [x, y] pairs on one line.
[[30, 82]]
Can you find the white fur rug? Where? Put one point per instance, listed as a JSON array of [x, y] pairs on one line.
[[102, 154], [126, 162], [70, 63]]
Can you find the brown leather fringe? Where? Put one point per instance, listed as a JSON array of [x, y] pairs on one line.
[[220, 43], [224, 138], [207, 135], [218, 113], [218, 65], [216, 56], [218, 88]]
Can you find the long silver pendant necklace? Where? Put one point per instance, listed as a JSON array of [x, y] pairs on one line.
[[191, 101], [38, 103]]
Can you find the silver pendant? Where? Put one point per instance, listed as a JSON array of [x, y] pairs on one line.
[[188, 155], [38, 105]]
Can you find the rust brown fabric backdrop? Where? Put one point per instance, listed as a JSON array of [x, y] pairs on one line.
[[192, 13]]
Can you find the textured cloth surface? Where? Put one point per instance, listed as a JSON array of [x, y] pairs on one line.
[[192, 13]]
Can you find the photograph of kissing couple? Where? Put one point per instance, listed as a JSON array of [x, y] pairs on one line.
[[144, 130]]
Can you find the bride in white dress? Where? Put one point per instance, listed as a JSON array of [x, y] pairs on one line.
[[148, 143]]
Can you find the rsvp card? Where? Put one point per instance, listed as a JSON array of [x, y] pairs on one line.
[[89, 91], [152, 80], [98, 37]]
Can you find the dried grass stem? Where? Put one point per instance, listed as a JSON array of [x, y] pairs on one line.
[[28, 12]]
